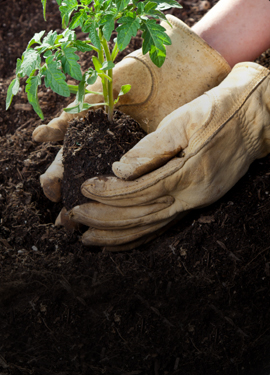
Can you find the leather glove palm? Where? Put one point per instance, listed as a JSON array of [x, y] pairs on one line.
[[207, 146]]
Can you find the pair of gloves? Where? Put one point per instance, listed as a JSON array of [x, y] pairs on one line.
[[206, 125]]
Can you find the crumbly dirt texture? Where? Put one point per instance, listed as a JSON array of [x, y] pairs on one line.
[[91, 146], [195, 301]]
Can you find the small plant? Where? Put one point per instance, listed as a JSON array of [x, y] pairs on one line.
[[54, 55]]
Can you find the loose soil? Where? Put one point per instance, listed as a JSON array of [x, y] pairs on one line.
[[91, 146], [195, 301]]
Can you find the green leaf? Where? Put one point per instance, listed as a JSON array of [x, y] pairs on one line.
[[77, 20], [66, 10], [91, 76], [121, 4], [163, 5], [81, 94], [68, 35], [32, 88], [69, 63], [30, 61], [157, 55], [36, 39], [82, 46], [18, 66], [124, 90], [86, 106], [93, 34], [13, 89], [153, 35], [107, 65], [44, 8], [97, 64], [55, 79], [128, 28], [50, 38], [108, 21], [150, 5]]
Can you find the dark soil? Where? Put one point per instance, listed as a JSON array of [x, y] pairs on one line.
[[195, 301], [91, 146]]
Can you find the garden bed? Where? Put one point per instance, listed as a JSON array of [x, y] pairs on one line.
[[195, 301]]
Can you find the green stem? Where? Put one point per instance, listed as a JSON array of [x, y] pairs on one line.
[[101, 59], [109, 83]]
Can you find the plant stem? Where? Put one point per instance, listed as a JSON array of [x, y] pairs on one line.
[[109, 83], [101, 59]]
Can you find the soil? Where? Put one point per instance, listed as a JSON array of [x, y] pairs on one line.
[[91, 146], [195, 301]]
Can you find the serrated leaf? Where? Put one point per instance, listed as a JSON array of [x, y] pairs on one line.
[[107, 29], [150, 5], [163, 5], [91, 76], [77, 20], [31, 61], [93, 35], [69, 63], [121, 4], [157, 55], [36, 39], [82, 46], [50, 38], [140, 8], [13, 89], [128, 28], [68, 35], [154, 35], [107, 65], [55, 79], [31, 89], [66, 10]]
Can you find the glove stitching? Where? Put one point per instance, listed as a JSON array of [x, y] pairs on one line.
[[153, 93], [214, 129], [251, 143]]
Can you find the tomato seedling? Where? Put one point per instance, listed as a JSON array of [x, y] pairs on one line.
[[52, 57]]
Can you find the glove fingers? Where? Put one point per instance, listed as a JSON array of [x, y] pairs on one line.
[[99, 237], [143, 240], [102, 216], [172, 136], [51, 180], [115, 192]]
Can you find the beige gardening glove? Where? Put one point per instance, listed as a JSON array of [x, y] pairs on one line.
[[196, 155], [191, 68]]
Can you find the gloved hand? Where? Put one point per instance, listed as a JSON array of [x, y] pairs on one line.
[[207, 146], [191, 68]]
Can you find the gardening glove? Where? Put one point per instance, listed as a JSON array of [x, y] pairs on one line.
[[196, 155], [191, 68]]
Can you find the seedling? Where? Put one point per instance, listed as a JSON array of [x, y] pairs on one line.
[[52, 57]]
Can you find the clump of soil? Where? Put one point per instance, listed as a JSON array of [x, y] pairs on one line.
[[91, 146]]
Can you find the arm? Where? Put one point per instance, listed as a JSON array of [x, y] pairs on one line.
[[238, 29]]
